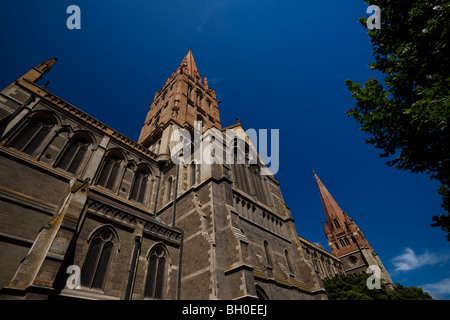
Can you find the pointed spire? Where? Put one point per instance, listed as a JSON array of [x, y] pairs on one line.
[[36, 73], [189, 64], [332, 209], [46, 65]]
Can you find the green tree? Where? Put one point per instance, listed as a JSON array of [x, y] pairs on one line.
[[407, 116], [409, 293], [354, 287]]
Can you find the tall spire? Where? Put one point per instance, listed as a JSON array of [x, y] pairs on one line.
[[346, 239], [182, 101], [189, 64], [339, 228], [332, 210]]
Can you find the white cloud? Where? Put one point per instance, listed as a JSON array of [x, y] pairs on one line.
[[409, 260], [438, 290]]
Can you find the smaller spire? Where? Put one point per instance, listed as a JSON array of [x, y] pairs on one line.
[[46, 65], [35, 74], [331, 208]]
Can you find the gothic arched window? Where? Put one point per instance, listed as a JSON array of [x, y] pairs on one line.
[[156, 273], [169, 188], [32, 137], [193, 173], [110, 171], [200, 121], [258, 183], [261, 294], [336, 223], [98, 259], [189, 93], [199, 99], [74, 154], [139, 187]]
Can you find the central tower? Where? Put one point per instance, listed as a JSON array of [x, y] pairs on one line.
[[183, 100], [239, 237]]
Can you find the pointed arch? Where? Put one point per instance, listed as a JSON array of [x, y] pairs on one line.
[[158, 261], [260, 293], [34, 133], [76, 151], [103, 243], [111, 169], [336, 223], [189, 92], [169, 187], [201, 120], [346, 241], [199, 99], [192, 173], [142, 184]]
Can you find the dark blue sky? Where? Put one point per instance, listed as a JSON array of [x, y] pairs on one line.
[[275, 65]]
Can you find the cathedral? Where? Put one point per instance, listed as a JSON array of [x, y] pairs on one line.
[[88, 213]]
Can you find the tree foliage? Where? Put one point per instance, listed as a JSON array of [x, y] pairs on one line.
[[407, 116], [354, 287]]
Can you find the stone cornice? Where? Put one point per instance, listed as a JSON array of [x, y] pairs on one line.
[[122, 216]]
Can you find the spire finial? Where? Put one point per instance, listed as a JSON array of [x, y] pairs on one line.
[[189, 63], [46, 65], [36, 73]]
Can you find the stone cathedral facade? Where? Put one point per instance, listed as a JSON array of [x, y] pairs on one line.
[[87, 213]]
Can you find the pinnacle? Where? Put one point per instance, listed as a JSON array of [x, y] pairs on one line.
[[46, 65], [332, 209], [190, 65]]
